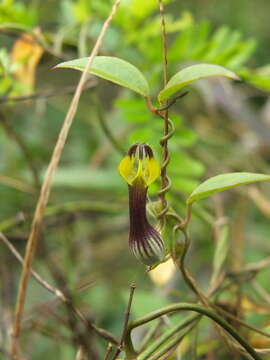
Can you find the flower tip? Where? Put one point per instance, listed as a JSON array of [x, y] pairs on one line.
[[150, 250], [139, 163]]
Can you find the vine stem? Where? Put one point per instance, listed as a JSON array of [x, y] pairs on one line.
[[181, 264], [171, 345], [187, 307], [165, 181], [46, 187], [190, 281], [188, 322]]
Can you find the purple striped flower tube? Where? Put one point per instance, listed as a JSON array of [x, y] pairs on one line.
[[139, 168]]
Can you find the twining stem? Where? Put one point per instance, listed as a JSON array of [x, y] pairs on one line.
[[131, 353], [165, 115]]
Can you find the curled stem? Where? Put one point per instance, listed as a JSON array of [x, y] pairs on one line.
[[165, 181], [131, 354]]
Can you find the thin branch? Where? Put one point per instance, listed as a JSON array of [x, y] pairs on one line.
[[80, 355], [260, 291], [59, 294], [16, 184], [253, 267], [47, 93], [124, 332], [101, 332], [238, 321], [108, 352], [172, 102], [46, 186], [43, 283]]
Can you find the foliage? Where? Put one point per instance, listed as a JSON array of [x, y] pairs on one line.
[[219, 132]]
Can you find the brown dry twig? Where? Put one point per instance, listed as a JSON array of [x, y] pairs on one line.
[[125, 326], [46, 186], [59, 294], [47, 93], [108, 352]]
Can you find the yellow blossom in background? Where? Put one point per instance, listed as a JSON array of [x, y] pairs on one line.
[[162, 273], [26, 54]]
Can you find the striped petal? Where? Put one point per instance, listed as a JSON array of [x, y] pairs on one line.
[[139, 168], [148, 248], [145, 242]]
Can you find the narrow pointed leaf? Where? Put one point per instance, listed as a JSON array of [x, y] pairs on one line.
[[113, 69], [193, 73], [224, 182]]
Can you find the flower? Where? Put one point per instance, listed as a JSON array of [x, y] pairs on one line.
[[139, 168]]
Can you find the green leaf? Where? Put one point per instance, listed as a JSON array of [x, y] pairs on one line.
[[193, 73], [224, 182], [113, 69]]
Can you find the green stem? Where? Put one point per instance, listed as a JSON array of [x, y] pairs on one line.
[[170, 345], [186, 307], [167, 336], [181, 264]]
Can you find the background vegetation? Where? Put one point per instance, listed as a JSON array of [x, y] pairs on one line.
[[220, 127]]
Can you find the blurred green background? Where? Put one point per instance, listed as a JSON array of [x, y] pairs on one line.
[[220, 127]]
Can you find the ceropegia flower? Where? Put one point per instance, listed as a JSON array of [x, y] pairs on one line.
[[140, 169]]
